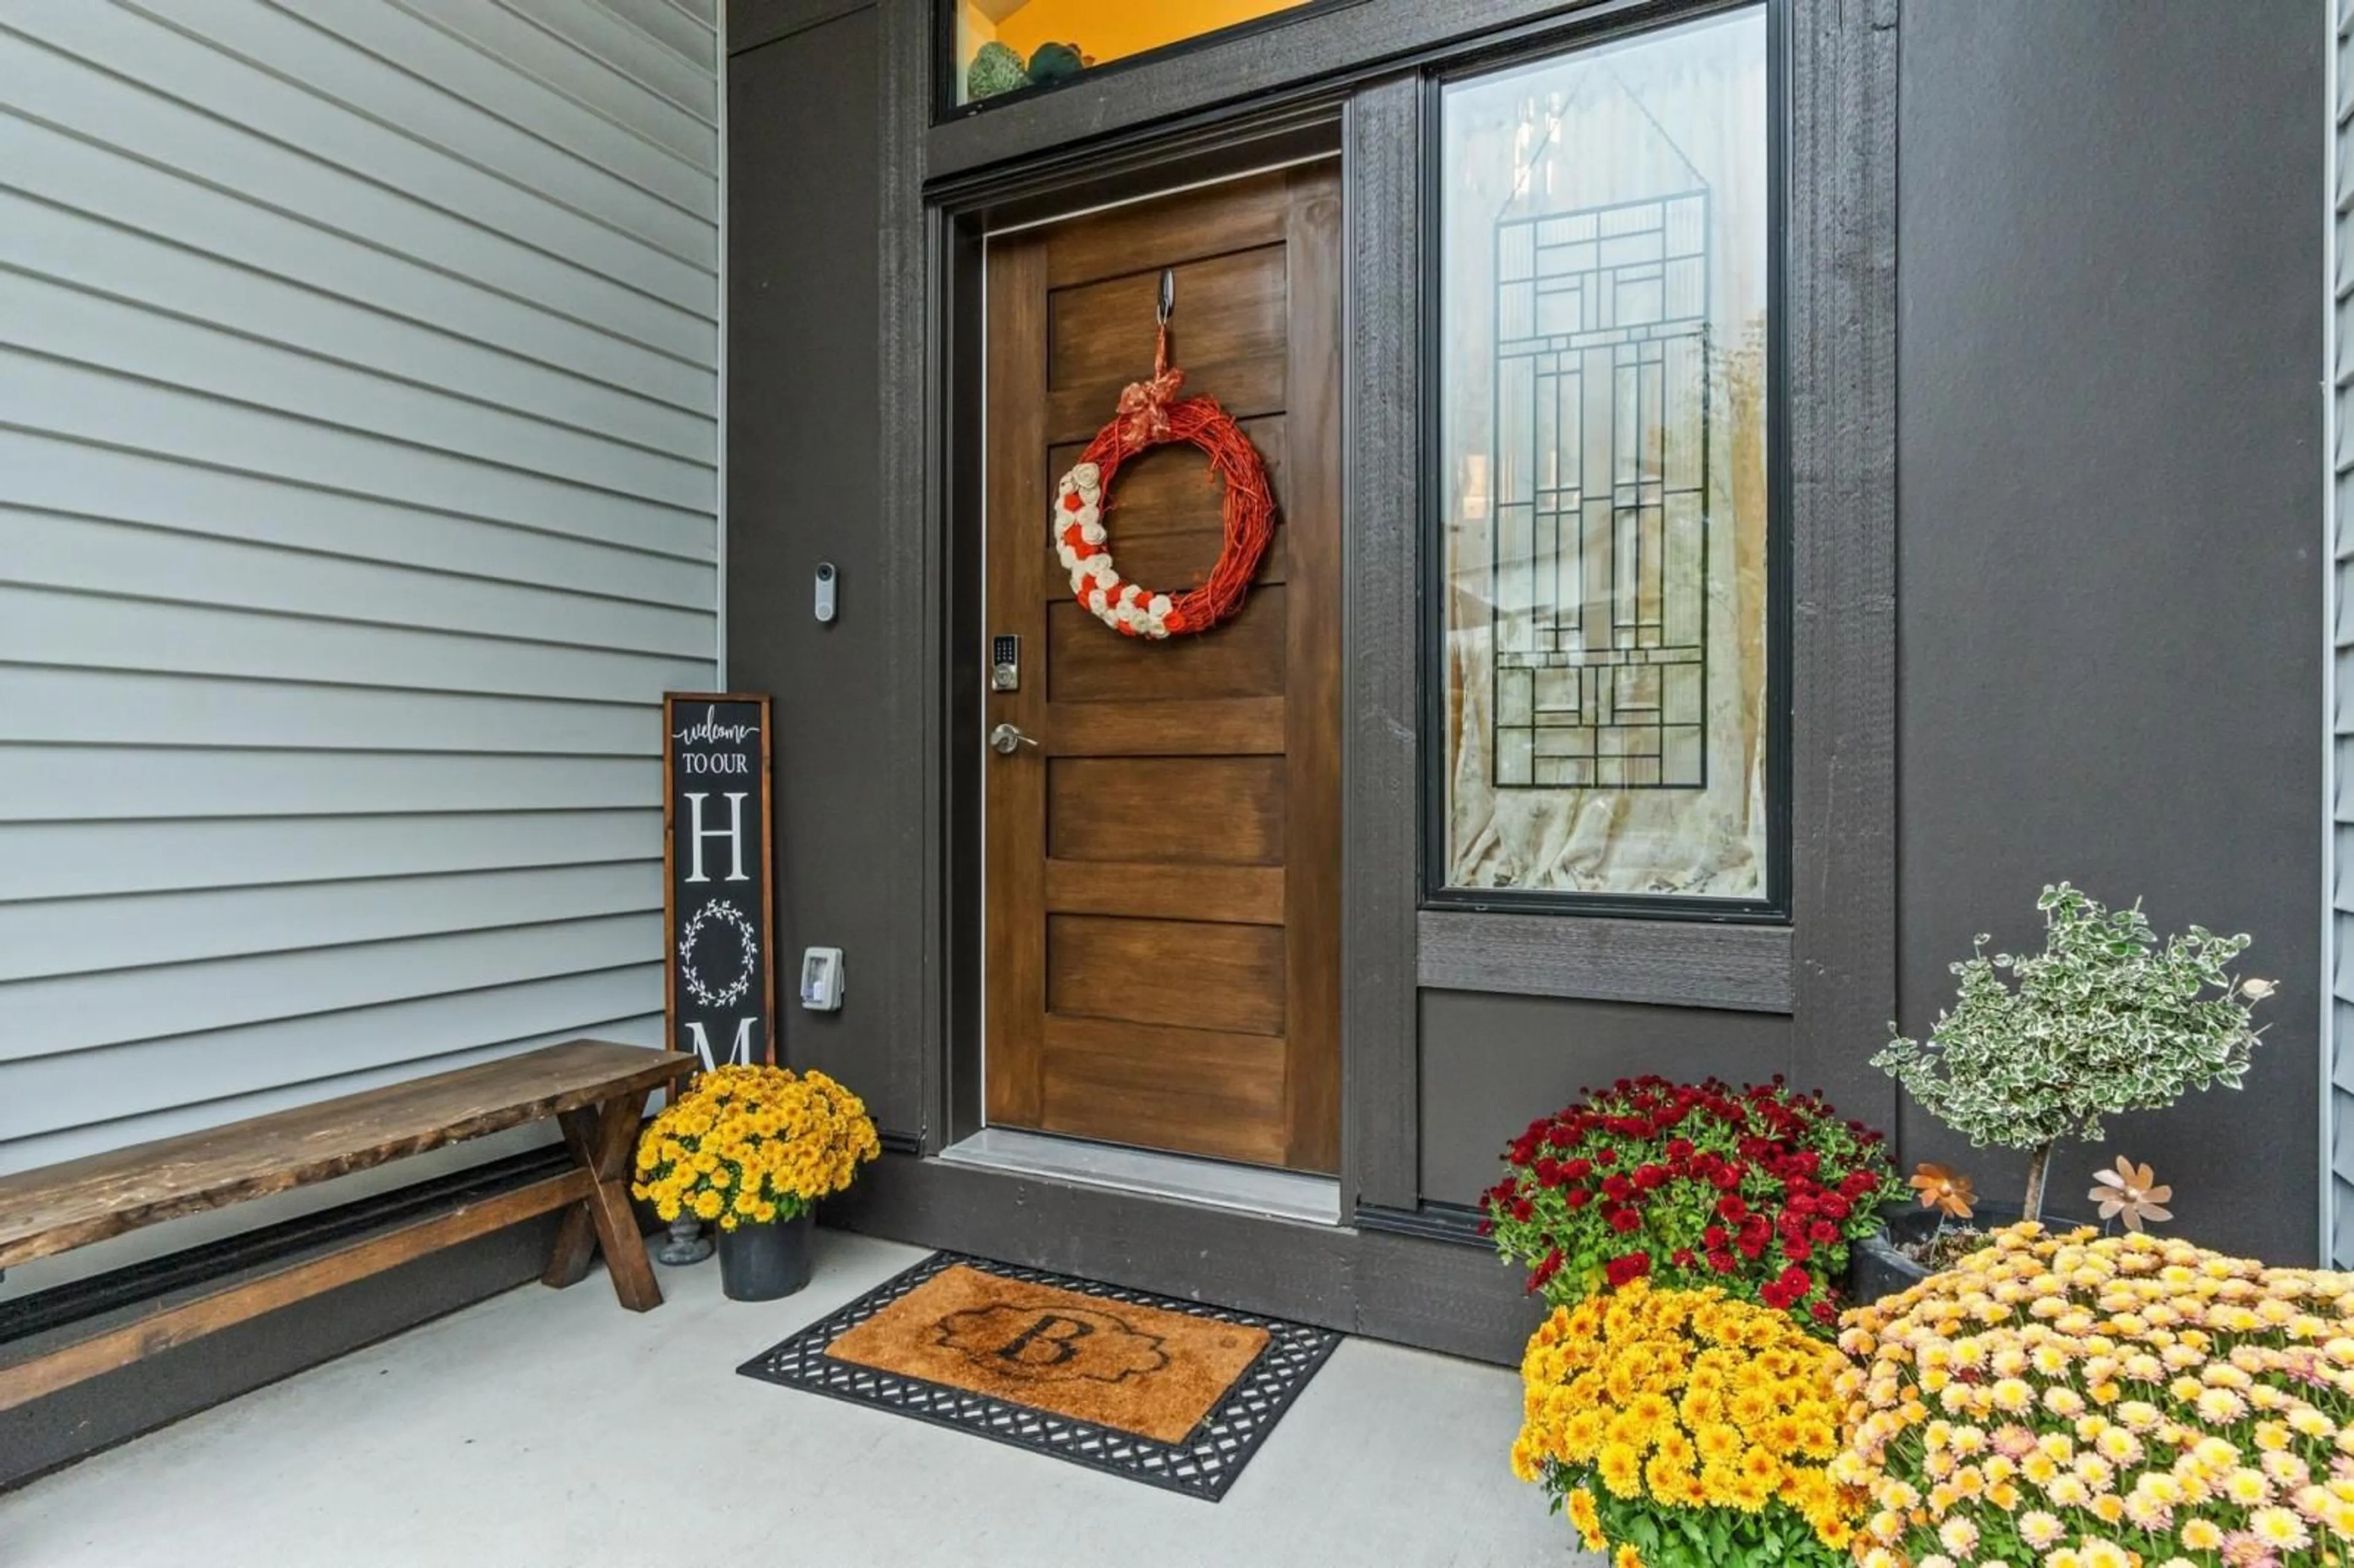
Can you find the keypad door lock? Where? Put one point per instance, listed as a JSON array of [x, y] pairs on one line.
[[1005, 663]]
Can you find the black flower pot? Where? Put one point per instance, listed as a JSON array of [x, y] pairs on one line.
[[1875, 1268], [763, 1262]]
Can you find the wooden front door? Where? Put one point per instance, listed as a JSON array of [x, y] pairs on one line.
[[1163, 868]]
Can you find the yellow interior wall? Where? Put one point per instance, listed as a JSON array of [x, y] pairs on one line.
[[973, 29], [1107, 29]]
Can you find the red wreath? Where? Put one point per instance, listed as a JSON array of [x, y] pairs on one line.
[[1151, 415]]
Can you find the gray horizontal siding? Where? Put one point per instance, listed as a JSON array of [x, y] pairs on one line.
[[358, 482], [56, 860], [130, 486], [2340, 1179], [93, 1138]]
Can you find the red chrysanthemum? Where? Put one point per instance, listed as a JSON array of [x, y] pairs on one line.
[[1758, 1190]]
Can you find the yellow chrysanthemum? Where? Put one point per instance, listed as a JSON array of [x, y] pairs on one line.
[[1583, 1515], [1729, 1405], [1664, 1478], [753, 1144], [1620, 1466], [1718, 1443], [1582, 1435]]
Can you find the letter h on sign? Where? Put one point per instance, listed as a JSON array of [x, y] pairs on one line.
[[733, 832]]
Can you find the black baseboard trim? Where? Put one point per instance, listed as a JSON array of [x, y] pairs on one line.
[[1454, 1223], [1383, 1284]]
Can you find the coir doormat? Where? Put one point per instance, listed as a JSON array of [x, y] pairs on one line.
[[1162, 1391]]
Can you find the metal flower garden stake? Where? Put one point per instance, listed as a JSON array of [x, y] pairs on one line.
[[2106, 1019]]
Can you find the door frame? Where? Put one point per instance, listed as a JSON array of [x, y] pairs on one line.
[[976, 413], [964, 227]]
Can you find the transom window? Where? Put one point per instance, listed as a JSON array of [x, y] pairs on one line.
[[1007, 46]]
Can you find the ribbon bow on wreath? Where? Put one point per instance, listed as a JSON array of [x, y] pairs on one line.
[[1151, 414], [1144, 404]]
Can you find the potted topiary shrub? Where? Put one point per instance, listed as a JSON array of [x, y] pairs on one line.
[[2042, 1046], [754, 1148]]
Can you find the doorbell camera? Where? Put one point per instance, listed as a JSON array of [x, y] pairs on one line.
[[825, 576]]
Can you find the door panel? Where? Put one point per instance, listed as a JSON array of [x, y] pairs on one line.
[[1246, 389], [1181, 555], [1221, 811], [1090, 662], [1204, 1092], [1191, 226], [1250, 894], [1162, 904], [1188, 972], [1234, 314], [1217, 726]]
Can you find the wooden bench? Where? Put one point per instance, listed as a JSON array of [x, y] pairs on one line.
[[597, 1092]]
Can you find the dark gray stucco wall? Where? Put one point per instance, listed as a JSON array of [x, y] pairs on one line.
[[802, 456], [2110, 280], [1492, 1064], [2109, 581]]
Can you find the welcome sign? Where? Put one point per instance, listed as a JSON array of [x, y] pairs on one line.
[[718, 913]]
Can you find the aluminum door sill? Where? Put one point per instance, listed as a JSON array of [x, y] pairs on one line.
[[1250, 1189]]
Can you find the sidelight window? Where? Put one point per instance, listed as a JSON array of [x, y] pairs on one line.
[[1608, 663]]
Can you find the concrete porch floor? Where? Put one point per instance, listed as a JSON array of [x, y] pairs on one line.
[[553, 1428]]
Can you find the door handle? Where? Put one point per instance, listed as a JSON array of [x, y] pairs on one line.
[[1005, 740]]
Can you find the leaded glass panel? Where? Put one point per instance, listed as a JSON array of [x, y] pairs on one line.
[[1603, 418]]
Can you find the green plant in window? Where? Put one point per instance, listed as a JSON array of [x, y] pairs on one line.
[[2106, 1019], [995, 68], [1054, 62]]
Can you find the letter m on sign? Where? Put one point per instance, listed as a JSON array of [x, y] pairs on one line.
[[739, 1050]]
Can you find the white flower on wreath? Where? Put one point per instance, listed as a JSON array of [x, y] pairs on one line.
[[1095, 580]]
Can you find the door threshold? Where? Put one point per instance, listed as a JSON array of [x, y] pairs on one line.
[[1254, 1190]]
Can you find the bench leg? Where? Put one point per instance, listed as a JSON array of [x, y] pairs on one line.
[[604, 1140], [576, 1240], [576, 1244]]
